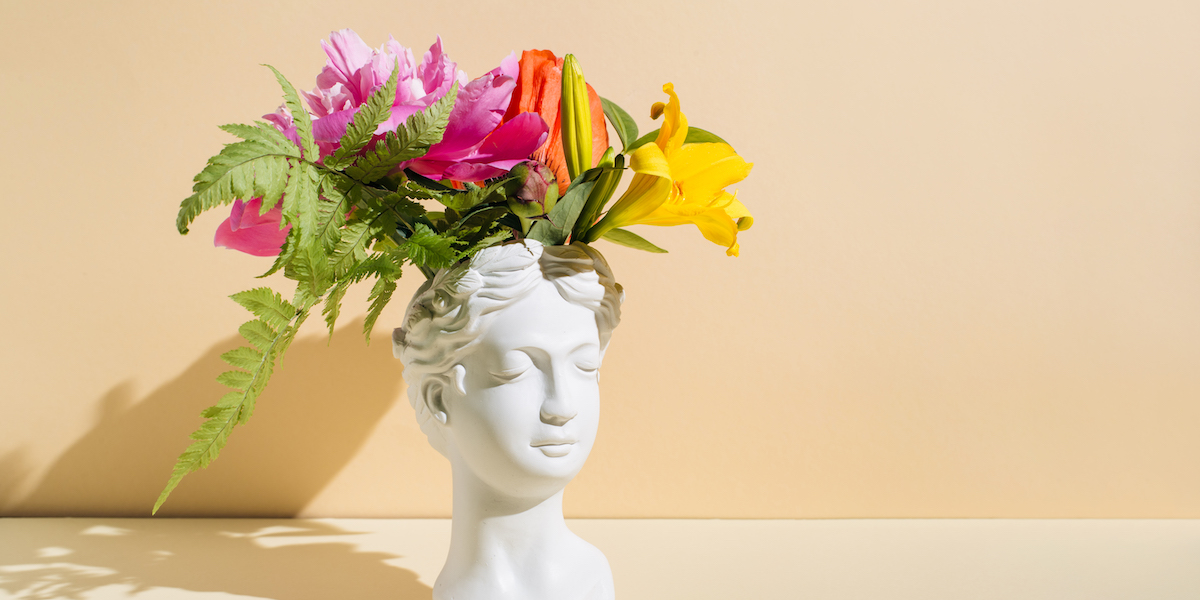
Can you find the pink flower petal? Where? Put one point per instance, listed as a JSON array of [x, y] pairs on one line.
[[478, 110], [247, 231], [513, 140]]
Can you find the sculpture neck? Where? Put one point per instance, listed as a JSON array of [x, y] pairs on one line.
[[494, 535]]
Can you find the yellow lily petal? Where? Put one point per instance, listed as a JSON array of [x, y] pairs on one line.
[[675, 125], [646, 194], [703, 178], [739, 213], [716, 225], [650, 160]]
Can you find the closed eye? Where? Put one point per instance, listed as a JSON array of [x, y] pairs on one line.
[[511, 375], [588, 367]]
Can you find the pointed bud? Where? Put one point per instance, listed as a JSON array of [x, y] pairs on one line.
[[575, 113], [533, 190]]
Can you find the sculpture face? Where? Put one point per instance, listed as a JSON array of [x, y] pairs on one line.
[[528, 417]]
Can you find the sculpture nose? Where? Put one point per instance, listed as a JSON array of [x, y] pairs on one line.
[[557, 408]]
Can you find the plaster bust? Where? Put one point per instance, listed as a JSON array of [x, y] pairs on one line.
[[502, 355]]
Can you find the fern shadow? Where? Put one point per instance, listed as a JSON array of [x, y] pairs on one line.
[[70, 559], [323, 402]]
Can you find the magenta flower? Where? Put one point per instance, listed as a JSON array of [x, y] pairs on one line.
[[474, 147], [250, 232], [354, 71]]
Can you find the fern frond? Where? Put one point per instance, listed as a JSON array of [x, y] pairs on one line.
[[310, 268], [267, 305], [235, 407], [350, 249], [381, 294], [367, 120], [299, 116], [258, 333], [242, 170], [425, 248], [263, 132], [333, 304], [290, 243], [410, 140], [238, 380], [301, 201]]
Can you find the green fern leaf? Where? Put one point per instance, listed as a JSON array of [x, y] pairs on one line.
[[299, 116], [367, 120], [242, 170], [425, 248], [265, 133], [267, 305], [243, 358], [290, 243], [301, 202], [258, 333], [310, 268], [350, 249], [238, 380], [338, 195], [333, 304], [381, 294], [410, 140]]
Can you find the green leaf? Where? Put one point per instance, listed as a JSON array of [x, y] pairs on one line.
[[290, 244], [554, 229], [410, 140], [367, 120], [350, 249], [243, 358], [238, 380], [310, 268], [267, 305], [242, 170], [301, 202], [624, 124], [333, 304], [299, 116], [381, 294], [265, 133], [628, 238], [425, 248], [236, 407], [258, 333], [491, 240], [695, 135]]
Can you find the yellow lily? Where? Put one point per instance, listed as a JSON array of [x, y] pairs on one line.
[[676, 183]]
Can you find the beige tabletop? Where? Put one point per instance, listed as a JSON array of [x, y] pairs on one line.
[[367, 559]]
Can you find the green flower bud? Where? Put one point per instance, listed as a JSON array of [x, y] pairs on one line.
[[533, 190], [575, 113]]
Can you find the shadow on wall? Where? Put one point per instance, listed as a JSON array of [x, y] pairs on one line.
[[69, 559], [320, 407]]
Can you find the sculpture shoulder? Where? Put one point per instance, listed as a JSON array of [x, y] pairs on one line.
[[592, 572]]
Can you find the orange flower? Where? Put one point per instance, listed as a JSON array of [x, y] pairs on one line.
[[539, 88]]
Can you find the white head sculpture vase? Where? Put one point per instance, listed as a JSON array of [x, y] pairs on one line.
[[502, 357]]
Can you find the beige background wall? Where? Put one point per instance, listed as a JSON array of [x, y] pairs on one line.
[[973, 287]]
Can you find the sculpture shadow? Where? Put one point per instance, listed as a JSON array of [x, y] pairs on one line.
[[323, 402], [69, 559]]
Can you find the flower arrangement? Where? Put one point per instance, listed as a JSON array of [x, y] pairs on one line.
[[335, 185]]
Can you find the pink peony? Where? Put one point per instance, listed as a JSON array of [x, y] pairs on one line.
[[250, 232], [474, 147]]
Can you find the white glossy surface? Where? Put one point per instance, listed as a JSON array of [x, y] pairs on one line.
[[383, 559]]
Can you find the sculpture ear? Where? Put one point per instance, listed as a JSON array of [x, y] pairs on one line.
[[431, 393]]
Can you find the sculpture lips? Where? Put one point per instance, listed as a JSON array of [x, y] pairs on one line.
[[554, 448]]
